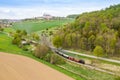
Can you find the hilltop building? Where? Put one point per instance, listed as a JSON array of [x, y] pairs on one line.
[[47, 16]]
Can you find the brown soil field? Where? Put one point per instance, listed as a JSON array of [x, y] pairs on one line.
[[17, 67]]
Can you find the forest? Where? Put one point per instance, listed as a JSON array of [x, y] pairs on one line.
[[97, 32]]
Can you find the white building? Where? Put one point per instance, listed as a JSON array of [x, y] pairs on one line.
[[47, 16]]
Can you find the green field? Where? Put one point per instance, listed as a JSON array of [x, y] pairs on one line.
[[33, 26], [8, 30], [6, 44]]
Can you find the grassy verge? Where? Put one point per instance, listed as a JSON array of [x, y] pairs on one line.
[[88, 73]]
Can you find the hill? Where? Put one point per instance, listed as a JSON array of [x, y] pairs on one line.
[[97, 31], [37, 25], [73, 16]]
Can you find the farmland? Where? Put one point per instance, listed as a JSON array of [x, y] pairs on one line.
[[26, 71], [33, 26], [7, 46]]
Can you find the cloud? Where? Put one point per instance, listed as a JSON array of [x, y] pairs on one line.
[[19, 9], [21, 13]]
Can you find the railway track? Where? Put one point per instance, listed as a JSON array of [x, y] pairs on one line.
[[87, 65], [84, 65]]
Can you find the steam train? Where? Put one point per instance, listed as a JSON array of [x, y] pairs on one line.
[[69, 57]]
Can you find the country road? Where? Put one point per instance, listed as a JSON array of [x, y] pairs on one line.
[[17, 67], [90, 56]]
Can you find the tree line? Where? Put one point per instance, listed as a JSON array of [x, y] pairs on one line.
[[97, 31]]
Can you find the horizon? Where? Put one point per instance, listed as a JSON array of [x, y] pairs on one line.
[[17, 9]]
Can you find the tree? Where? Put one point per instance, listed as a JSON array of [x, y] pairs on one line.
[[55, 59], [110, 40], [103, 27], [18, 31], [74, 40], [1, 29], [41, 51], [98, 51], [91, 40], [68, 40], [50, 33], [16, 41], [18, 36], [24, 32], [117, 78], [98, 28], [86, 29], [48, 57], [100, 41], [82, 43], [57, 41], [117, 49], [35, 36]]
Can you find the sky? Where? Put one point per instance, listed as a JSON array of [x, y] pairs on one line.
[[20, 9]]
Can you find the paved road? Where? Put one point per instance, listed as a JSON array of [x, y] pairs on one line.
[[16, 67], [90, 56]]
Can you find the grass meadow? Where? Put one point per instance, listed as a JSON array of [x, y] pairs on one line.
[[34, 26]]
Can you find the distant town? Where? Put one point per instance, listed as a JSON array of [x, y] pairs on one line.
[[8, 22]]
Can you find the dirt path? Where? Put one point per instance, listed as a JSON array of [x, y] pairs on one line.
[[16, 67]]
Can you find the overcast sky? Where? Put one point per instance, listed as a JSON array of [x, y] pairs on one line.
[[19, 9]]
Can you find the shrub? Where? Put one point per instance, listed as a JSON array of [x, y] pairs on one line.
[[48, 57], [1, 29], [41, 51], [16, 41], [117, 78], [25, 48], [98, 51], [55, 59]]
